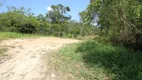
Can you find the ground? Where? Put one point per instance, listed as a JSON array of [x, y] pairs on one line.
[[26, 58]]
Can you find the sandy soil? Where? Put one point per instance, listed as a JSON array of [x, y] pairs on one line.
[[26, 59]]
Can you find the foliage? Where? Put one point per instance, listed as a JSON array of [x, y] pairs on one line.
[[18, 20], [119, 19], [57, 15], [56, 22]]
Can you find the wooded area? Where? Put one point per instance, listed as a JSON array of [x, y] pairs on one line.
[[119, 20]]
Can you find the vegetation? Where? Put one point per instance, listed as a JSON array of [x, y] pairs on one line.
[[114, 54], [92, 60], [10, 35], [56, 22], [120, 20]]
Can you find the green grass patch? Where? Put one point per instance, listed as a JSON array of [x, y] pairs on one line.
[[124, 64], [96, 61], [70, 65], [10, 35]]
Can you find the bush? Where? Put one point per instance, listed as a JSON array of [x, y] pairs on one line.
[[128, 40], [27, 28]]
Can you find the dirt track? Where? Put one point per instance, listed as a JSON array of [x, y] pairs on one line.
[[27, 59]]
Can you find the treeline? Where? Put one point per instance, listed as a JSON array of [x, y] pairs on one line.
[[118, 20], [55, 22]]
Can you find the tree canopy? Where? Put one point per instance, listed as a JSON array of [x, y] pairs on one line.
[[119, 19]]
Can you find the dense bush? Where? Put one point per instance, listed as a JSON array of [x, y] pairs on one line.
[[121, 20]]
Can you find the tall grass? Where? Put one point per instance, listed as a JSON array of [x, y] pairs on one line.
[[9, 35], [92, 60], [69, 65], [125, 64]]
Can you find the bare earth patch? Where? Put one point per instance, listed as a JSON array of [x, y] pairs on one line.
[[27, 61]]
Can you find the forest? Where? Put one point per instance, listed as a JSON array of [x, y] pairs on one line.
[[110, 32]]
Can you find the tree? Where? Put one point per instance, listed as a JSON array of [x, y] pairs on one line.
[[18, 20], [58, 16], [120, 19]]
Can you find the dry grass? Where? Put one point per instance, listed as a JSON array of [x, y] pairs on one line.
[[11, 35], [95, 61], [2, 51], [90, 37], [66, 64]]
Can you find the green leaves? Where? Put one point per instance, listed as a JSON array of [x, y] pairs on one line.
[[18, 20], [58, 15], [120, 19]]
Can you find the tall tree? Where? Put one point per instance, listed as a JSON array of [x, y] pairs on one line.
[[58, 15], [121, 19]]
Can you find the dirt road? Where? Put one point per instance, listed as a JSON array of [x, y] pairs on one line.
[[27, 59]]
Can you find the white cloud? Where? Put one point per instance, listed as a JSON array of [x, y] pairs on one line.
[[49, 8]]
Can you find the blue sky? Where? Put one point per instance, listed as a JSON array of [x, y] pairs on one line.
[[40, 6]]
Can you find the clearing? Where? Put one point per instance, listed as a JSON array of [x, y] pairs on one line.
[[26, 58]]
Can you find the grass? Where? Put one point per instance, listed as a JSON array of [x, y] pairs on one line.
[[10, 35], [68, 65], [89, 37], [119, 62], [2, 52], [96, 61]]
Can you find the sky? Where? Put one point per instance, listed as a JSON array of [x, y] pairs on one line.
[[40, 6]]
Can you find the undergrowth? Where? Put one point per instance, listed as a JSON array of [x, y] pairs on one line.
[[92, 60]]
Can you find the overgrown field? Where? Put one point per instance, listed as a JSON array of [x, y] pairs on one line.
[[92, 60]]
